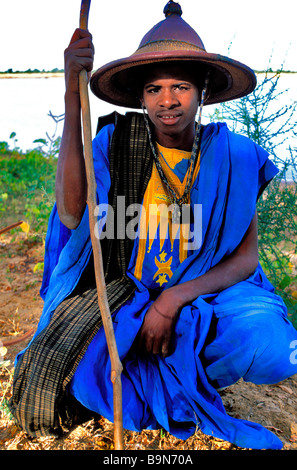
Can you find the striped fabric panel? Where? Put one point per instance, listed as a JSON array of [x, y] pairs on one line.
[[131, 164], [47, 366]]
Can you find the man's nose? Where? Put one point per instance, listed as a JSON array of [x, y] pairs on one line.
[[168, 99]]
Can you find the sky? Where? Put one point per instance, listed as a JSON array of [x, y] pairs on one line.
[[259, 33]]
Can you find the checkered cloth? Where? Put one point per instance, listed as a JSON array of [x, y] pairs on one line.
[[49, 363], [40, 402]]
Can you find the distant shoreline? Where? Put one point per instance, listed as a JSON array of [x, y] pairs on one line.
[[13, 75], [31, 75]]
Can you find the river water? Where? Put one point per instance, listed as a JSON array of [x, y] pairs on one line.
[[25, 106], [26, 103]]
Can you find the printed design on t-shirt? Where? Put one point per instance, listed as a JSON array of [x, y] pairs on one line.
[[163, 272]]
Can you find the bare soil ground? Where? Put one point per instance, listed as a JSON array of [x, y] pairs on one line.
[[273, 406]]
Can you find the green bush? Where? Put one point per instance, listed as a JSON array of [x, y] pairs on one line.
[[27, 186], [260, 117]]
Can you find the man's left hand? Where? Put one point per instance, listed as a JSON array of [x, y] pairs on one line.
[[156, 331]]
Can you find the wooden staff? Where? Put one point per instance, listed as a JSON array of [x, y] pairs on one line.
[[10, 227], [116, 366]]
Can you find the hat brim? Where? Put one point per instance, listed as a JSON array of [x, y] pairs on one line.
[[230, 79]]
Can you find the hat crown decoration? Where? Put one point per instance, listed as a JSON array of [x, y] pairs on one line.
[[173, 29], [172, 8]]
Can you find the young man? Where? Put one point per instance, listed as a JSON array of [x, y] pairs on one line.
[[193, 311]]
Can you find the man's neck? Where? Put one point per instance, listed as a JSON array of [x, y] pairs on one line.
[[182, 141]]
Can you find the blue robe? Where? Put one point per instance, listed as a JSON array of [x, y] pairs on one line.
[[179, 392]]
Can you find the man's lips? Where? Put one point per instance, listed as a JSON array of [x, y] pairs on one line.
[[169, 118]]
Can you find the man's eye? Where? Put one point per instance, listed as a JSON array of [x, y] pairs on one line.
[[152, 90], [182, 87]]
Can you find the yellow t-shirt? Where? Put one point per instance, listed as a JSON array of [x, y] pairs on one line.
[[161, 246]]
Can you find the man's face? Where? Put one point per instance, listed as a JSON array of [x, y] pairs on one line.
[[171, 98]]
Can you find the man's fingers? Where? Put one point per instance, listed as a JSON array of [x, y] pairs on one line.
[[87, 53], [166, 346], [80, 34], [149, 344], [157, 346], [83, 47], [79, 56], [84, 44]]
